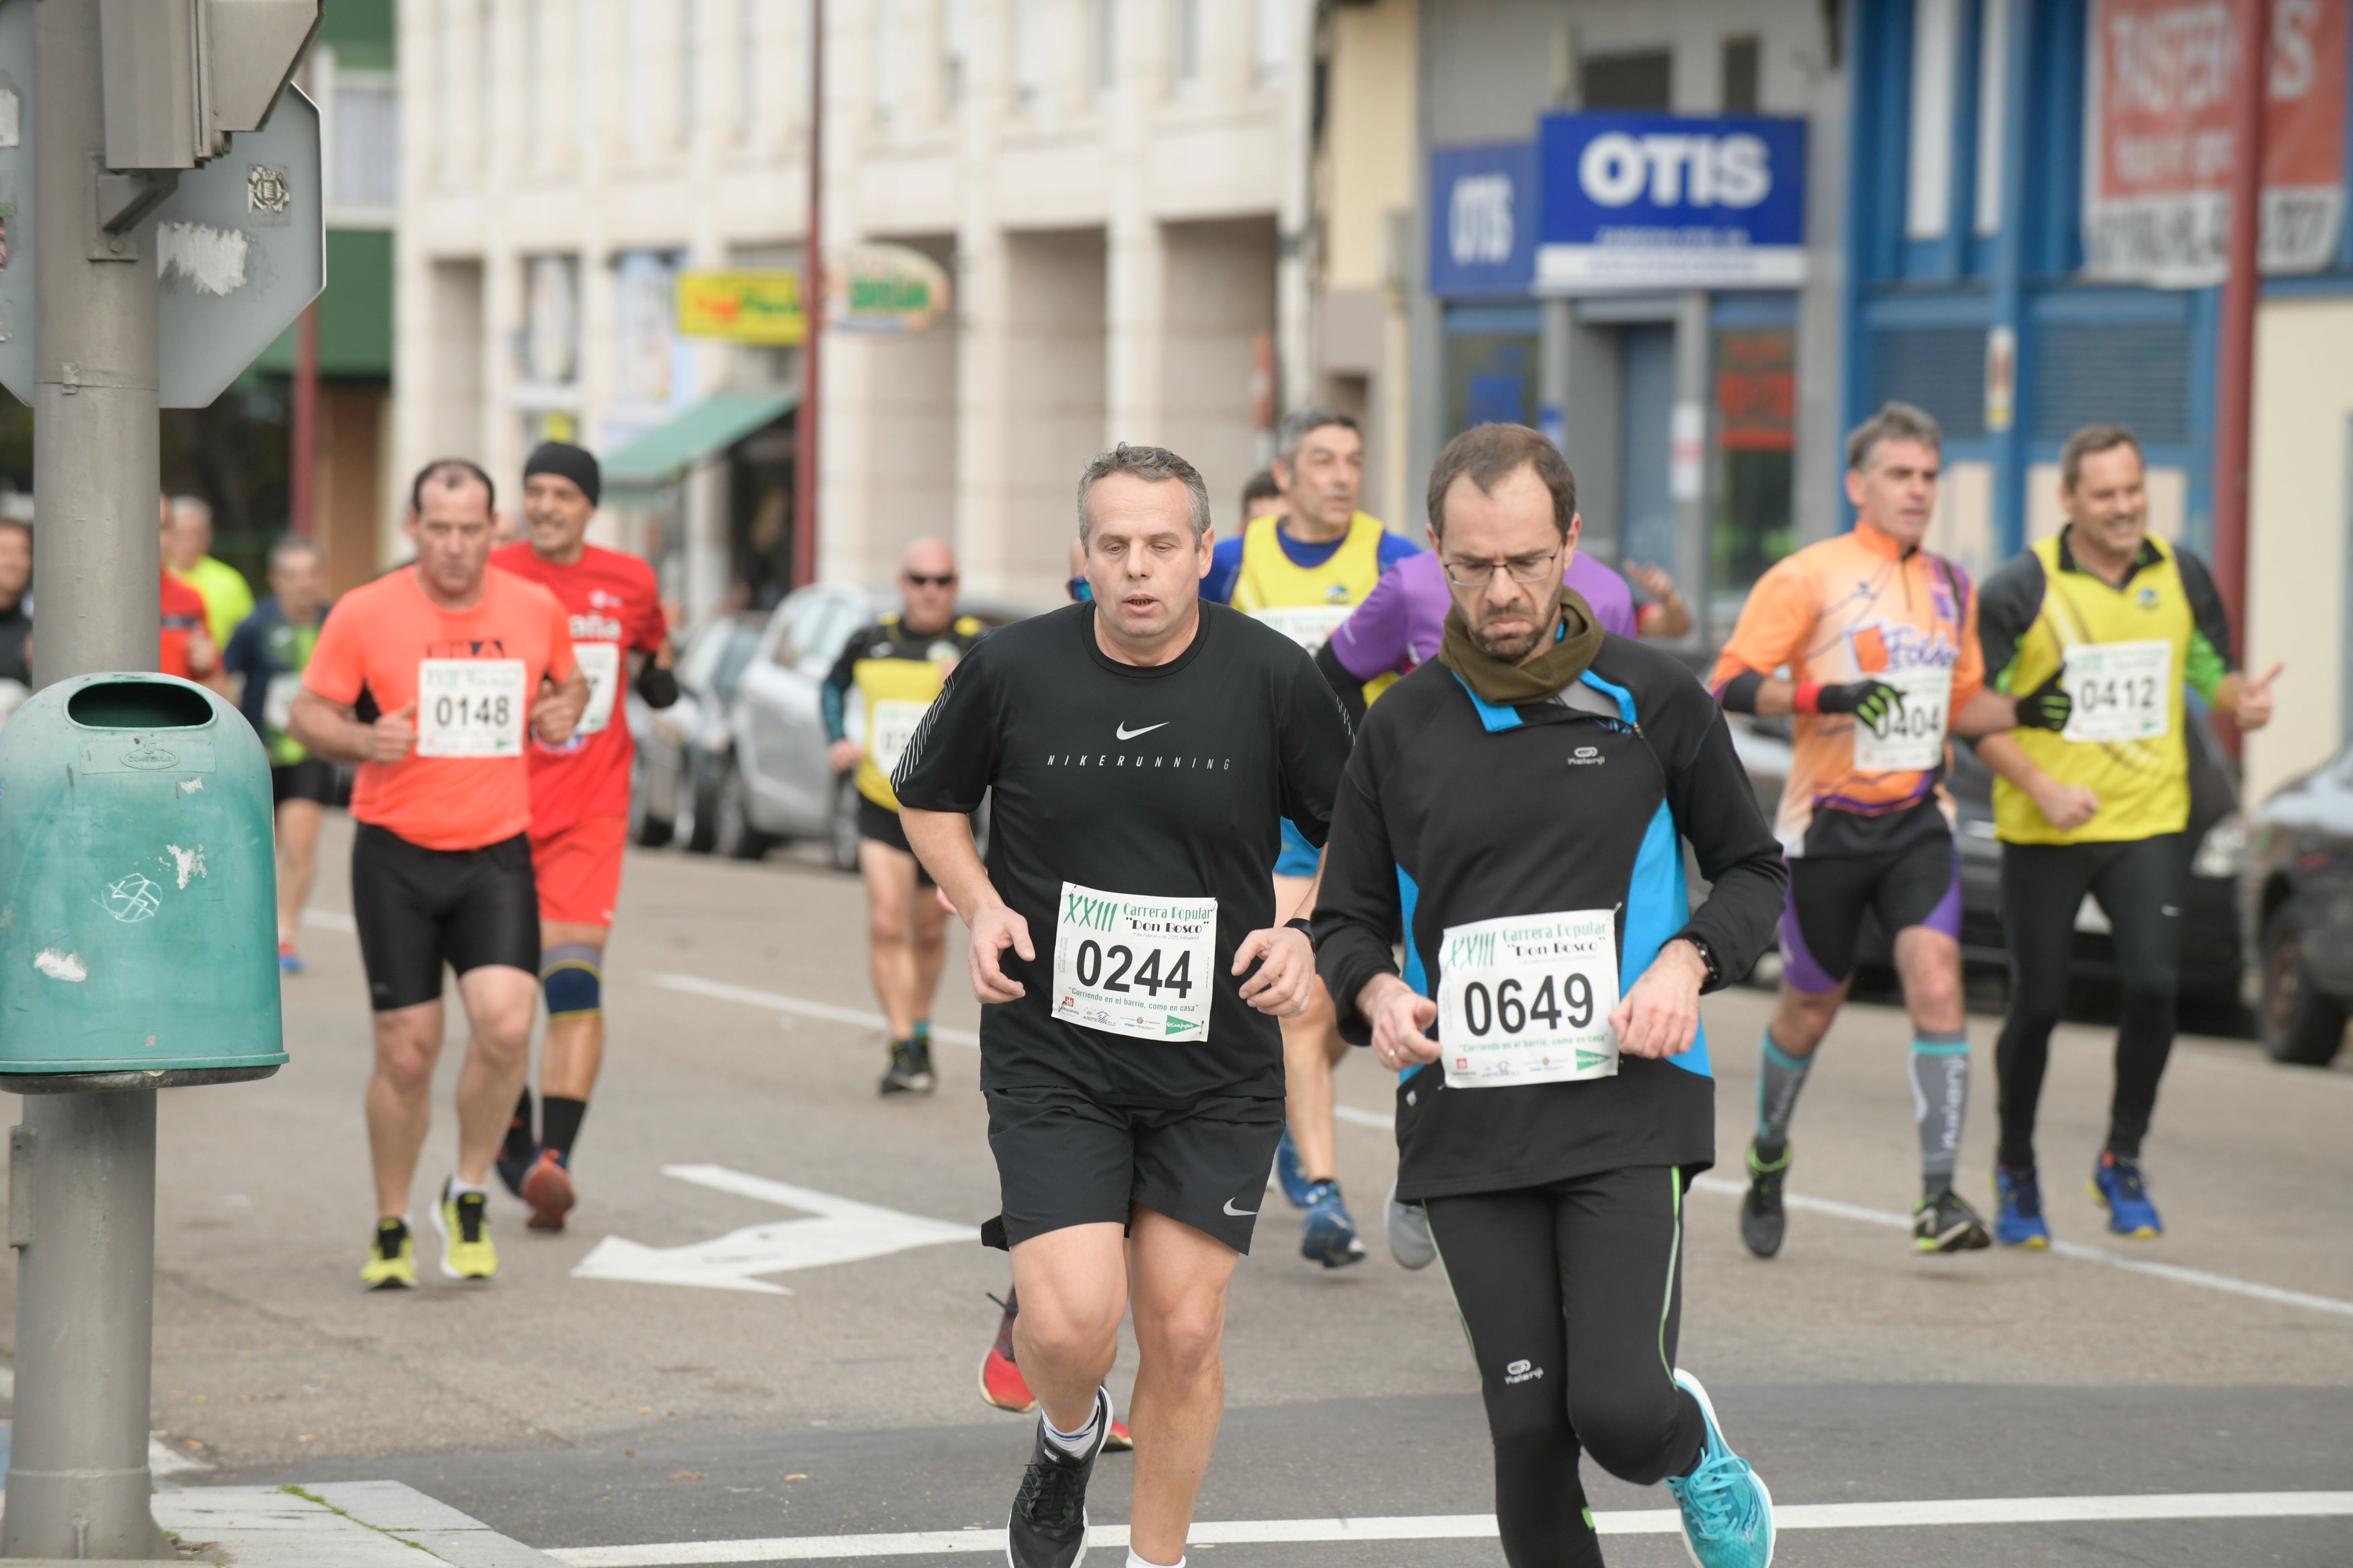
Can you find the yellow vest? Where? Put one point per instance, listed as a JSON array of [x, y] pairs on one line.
[[897, 693], [2143, 783], [1306, 604]]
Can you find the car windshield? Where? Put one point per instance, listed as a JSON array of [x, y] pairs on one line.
[[742, 641]]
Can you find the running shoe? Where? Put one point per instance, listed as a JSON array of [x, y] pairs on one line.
[[391, 1258], [547, 1188], [1728, 1512], [521, 1150], [2017, 1222], [1763, 1220], [464, 1222], [1331, 1238], [1408, 1228], [1946, 1223], [1001, 1383], [1289, 1173], [911, 1068], [2117, 1183], [1048, 1528], [289, 961]]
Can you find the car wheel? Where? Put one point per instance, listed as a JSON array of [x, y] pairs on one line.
[[842, 837], [2300, 1023], [645, 828], [732, 834]]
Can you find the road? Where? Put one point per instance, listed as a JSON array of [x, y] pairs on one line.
[[667, 1398]]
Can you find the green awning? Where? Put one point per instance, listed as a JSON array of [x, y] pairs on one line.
[[719, 421]]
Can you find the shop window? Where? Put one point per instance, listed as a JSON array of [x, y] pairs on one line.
[[1757, 424], [1637, 80], [1940, 369], [2134, 373], [367, 143], [1491, 379], [1928, 191], [1742, 58]]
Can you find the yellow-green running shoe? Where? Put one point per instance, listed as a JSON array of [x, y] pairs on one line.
[[391, 1258], [464, 1221]]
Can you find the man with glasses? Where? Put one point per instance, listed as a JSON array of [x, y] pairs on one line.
[[896, 665]]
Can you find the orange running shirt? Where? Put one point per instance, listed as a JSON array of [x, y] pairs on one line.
[[378, 640], [1835, 612]]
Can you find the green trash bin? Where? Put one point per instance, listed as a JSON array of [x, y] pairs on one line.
[[138, 889]]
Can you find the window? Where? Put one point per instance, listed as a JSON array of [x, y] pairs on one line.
[[1643, 80], [1029, 53], [1993, 60], [1928, 191], [1275, 20], [1106, 46], [1741, 62], [367, 143], [956, 50], [1185, 42]]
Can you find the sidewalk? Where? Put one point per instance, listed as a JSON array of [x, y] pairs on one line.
[[348, 1524]]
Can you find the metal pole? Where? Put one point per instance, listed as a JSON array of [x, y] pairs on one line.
[[2241, 284], [813, 288], [302, 462], [82, 1166]]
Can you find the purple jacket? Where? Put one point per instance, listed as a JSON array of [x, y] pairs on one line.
[[1400, 622]]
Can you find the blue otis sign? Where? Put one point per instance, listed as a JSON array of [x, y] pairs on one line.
[[1482, 228], [1670, 201]]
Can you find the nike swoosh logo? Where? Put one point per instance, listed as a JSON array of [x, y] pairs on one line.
[[1124, 733], [1238, 1214]]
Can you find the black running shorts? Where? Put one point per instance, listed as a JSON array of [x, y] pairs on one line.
[[883, 825], [1062, 1159], [312, 778], [417, 909], [1918, 885]]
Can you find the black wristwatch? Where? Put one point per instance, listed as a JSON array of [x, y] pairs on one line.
[[1302, 927], [1706, 956]]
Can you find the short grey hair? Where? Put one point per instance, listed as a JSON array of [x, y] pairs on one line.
[[1153, 466], [1302, 423], [1893, 422], [294, 544], [196, 504]]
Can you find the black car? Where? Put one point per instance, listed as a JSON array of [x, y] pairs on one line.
[[2298, 909]]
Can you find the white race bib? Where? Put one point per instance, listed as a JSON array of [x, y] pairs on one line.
[[890, 725], [1912, 738], [601, 663], [278, 700], [1527, 999], [2122, 691], [1309, 626], [471, 708], [1135, 966]]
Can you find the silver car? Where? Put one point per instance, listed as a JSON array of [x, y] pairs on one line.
[[681, 749]]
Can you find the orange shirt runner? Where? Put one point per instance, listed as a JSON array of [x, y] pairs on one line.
[[473, 674]]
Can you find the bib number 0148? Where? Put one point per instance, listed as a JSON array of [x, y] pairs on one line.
[[1527, 999], [1135, 966]]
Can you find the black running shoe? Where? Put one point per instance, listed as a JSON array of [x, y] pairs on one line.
[[911, 1068], [1048, 1525], [1944, 1223], [1762, 1218], [521, 1150]]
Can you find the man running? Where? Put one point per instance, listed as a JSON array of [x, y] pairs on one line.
[[896, 665], [187, 552], [269, 651], [186, 650], [1262, 496], [1515, 812], [1880, 641], [1141, 752], [2101, 805], [458, 660], [579, 804], [15, 619], [1301, 571]]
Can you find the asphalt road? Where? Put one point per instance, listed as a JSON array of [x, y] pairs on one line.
[[633, 1407]]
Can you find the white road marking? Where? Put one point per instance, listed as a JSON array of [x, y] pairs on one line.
[[1482, 1527], [1365, 1118], [330, 920], [841, 1231], [719, 990]]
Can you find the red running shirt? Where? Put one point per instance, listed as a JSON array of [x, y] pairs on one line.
[[615, 603], [184, 617]]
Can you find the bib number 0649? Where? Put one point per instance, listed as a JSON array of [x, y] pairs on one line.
[[1507, 1009], [1527, 999]]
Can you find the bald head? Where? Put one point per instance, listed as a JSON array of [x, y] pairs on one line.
[[927, 586]]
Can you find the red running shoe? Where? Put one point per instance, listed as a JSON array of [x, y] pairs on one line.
[[1002, 1385], [547, 1188]]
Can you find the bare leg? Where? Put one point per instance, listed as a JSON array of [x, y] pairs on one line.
[[1801, 1018], [1312, 1047], [930, 949], [1929, 965], [298, 857], [1073, 1284], [574, 1049], [400, 1099], [501, 1001], [890, 876], [1180, 1278]]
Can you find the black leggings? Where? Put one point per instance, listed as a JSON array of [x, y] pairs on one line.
[[2141, 884], [1570, 1294]]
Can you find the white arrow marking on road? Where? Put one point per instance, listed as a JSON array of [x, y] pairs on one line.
[[842, 1231]]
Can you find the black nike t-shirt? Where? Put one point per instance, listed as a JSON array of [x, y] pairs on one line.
[[1164, 783]]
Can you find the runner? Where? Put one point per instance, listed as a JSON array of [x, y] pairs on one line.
[[896, 665], [187, 552], [1140, 752], [2100, 807], [185, 649], [579, 804], [1666, 615], [459, 660], [268, 652], [1549, 939], [15, 619], [1880, 643], [1299, 571], [1262, 496]]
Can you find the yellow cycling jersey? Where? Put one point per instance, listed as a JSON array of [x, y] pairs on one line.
[[1307, 604]]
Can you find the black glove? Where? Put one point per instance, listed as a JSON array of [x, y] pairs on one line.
[[657, 686], [1872, 701], [2047, 707]]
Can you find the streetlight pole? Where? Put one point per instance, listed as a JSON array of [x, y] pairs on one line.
[[804, 436]]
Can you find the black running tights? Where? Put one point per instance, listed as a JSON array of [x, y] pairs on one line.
[[2140, 884], [1570, 1293]]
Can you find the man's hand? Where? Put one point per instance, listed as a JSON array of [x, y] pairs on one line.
[[2254, 706], [2065, 805], [842, 754], [557, 712], [1652, 580], [1660, 1017], [391, 736], [1399, 1016], [995, 928], [1872, 701], [2047, 707], [1285, 981], [202, 655]]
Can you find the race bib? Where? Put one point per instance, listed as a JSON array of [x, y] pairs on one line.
[[2122, 691], [601, 663], [1135, 966], [1527, 999], [1913, 737], [890, 725], [278, 700], [471, 707], [1309, 626]]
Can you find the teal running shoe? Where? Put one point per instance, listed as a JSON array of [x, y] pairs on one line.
[[2117, 1183], [1290, 1173], [2017, 1195], [1728, 1512]]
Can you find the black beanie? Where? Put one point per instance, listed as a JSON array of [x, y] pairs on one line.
[[566, 462]]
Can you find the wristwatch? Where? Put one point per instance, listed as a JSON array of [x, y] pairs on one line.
[[1706, 956], [1300, 925]]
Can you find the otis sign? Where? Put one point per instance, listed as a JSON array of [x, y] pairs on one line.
[[1668, 201]]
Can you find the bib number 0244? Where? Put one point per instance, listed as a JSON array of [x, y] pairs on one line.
[[1136, 966], [1527, 999]]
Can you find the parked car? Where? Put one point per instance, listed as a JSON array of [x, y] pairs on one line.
[[2298, 914], [681, 749], [779, 784]]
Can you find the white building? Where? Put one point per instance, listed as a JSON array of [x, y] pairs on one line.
[[1110, 183]]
